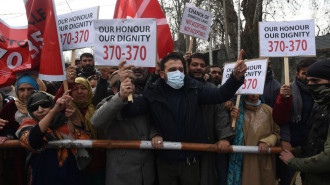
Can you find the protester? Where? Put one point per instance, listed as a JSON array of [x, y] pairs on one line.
[[93, 81], [272, 87], [254, 127], [217, 125], [112, 69], [11, 117], [103, 87], [142, 75], [15, 111], [51, 166], [4, 99], [313, 157], [78, 65], [291, 111], [173, 101], [216, 73], [88, 68], [126, 166], [81, 92]]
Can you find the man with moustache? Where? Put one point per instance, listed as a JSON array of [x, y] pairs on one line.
[[141, 77], [292, 110], [88, 68], [218, 129], [313, 156], [174, 102], [216, 73]]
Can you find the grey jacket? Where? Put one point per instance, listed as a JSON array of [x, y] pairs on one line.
[[126, 166]]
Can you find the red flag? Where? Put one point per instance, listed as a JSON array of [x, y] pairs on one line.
[[148, 9], [13, 52], [44, 43], [35, 47]]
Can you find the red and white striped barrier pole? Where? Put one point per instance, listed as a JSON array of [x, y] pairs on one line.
[[112, 144]]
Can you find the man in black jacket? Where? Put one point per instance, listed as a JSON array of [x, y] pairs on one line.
[[218, 129], [173, 101]]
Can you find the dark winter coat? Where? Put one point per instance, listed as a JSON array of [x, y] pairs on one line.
[[156, 101]]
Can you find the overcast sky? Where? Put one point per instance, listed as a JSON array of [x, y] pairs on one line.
[[13, 12]]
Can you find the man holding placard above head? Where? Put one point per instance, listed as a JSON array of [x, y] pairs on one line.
[[292, 110], [174, 103], [313, 157], [218, 129]]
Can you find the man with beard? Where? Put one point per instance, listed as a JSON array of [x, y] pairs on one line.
[[88, 68], [313, 157], [216, 73], [104, 88], [218, 129], [291, 111], [141, 76], [174, 102]]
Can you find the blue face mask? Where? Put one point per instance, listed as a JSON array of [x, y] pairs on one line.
[[254, 105], [175, 79]]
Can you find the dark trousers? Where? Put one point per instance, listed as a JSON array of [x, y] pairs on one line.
[[185, 172], [221, 161], [284, 172]]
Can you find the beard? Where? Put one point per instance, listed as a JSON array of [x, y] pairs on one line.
[[88, 68], [304, 81], [198, 75], [140, 78], [217, 81]]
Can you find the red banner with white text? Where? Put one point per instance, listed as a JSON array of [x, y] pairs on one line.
[[45, 48], [33, 47], [13, 52]]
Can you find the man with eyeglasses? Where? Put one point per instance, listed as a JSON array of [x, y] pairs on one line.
[[216, 73], [88, 68]]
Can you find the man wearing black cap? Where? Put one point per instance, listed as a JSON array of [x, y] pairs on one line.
[[314, 155]]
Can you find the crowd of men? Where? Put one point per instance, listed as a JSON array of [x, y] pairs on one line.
[[181, 101]]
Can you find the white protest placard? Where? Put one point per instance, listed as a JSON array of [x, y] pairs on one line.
[[286, 39], [133, 40], [76, 29], [196, 22], [255, 76]]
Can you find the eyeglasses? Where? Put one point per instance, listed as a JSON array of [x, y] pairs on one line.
[[89, 60], [43, 105]]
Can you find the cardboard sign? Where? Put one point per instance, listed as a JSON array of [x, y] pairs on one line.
[[255, 76], [133, 40], [196, 22], [285, 39], [76, 28]]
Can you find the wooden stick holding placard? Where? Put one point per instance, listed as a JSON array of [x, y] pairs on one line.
[[286, 71], [233, 124], [73, 58], [191, 44]]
